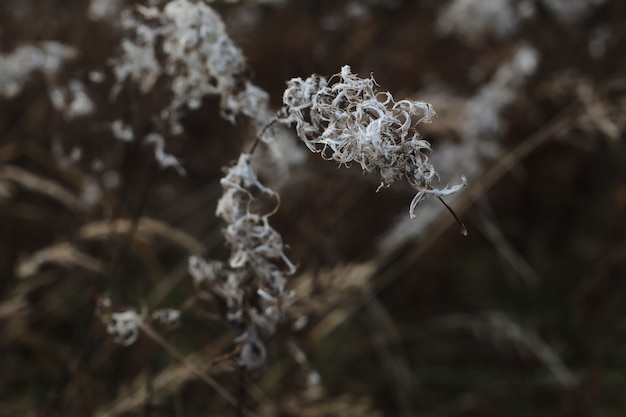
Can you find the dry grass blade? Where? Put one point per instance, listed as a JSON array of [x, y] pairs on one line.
[[340, 285], [145, 227], [12, 307], [64, 254], [69, 255], [497, 328], [41, 185], [507, 251]]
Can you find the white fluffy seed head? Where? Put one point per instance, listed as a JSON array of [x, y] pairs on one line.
[[345, 119], [252, 282], [198, 55]]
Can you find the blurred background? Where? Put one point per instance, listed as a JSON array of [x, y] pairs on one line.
[[523, 317]]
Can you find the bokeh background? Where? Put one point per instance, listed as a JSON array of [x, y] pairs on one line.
[[523, 317]]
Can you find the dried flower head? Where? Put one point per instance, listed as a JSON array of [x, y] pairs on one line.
[[198, 55], [18, 66], [249, 289], [252, 239], [345, 119]]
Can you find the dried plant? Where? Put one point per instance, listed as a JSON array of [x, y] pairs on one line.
[[345, 119], [268, 323], [17, 67], [252, 285], [198, 54]]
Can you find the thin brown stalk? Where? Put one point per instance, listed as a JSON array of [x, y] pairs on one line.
[[145, 227]]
